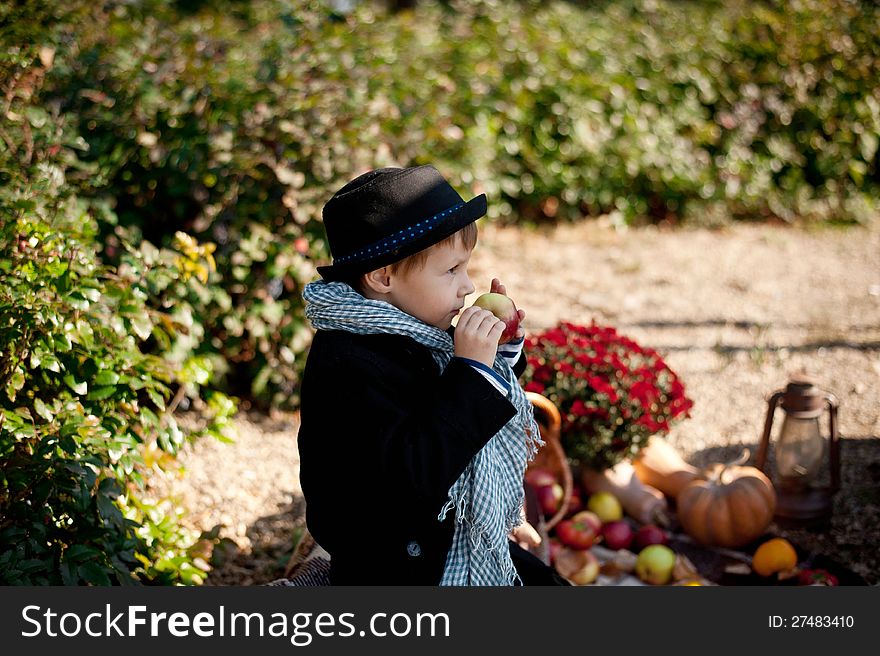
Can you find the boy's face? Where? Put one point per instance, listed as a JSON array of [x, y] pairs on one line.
[[435, 293]]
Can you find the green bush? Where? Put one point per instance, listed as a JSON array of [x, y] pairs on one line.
[[93, 362], [235, 121]]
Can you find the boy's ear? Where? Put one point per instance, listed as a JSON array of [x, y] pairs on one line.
[[378, 280]]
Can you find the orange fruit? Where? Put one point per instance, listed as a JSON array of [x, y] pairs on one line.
[[774, 555]]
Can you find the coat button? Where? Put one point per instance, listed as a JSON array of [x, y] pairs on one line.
[[414, 549]]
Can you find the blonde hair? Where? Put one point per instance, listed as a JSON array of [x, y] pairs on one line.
[[414, 262], [417, 260]]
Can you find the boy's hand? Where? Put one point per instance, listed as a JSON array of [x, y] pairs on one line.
[[526, 536], [497, 288], [476, 335]]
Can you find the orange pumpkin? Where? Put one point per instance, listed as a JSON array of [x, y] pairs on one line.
[[733, 506]]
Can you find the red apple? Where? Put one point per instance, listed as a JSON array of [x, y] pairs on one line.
[[816, 577], [550, 498], [538, 477], [580, 531], [618, 534], [575, 501], [581, 567], [647, 535], [502, 307]]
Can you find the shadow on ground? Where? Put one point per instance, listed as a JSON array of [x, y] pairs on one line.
[[273, 539]]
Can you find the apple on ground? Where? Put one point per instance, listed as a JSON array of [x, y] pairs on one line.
[[647, 535], [618, 534], [502, 307], [605, 505], [655, 563], [550, 498], [581, 567], [580, 531], [816, 577]]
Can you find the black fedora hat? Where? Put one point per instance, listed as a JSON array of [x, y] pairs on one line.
[[387, 214]]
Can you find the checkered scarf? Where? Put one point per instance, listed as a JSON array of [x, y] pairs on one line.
[[488, 496]]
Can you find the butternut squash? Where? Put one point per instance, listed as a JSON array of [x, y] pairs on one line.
[[642, 502], [659, 465]]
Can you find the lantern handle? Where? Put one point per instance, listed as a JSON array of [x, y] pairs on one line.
[[761, 456], [834, 447]]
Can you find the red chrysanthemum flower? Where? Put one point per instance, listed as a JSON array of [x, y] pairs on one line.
[[611, 392]]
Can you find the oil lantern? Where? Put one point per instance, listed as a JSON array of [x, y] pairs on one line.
[[800, 451]]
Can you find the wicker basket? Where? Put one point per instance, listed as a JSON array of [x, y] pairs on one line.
[[551, 456]]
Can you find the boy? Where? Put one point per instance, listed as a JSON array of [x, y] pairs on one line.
[[414, 437]]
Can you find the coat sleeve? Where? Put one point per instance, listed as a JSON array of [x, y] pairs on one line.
[[519, 367]]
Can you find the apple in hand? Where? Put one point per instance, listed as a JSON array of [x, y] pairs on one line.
[[502, 307], [580, 531], [655, 564], [617, 534], [649, 534]]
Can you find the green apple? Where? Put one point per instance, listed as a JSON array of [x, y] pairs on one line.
[[654, 564], [606, 506]]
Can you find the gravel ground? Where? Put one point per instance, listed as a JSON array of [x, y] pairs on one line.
[[734, 311]]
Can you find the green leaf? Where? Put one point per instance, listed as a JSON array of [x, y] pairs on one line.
[[77, 303], [31, 566], [43, 410], [67, 444], [77, 553], [110, 512], [156, 398], [71, 425], [148, 417], [99, 393], [110, 487], [868, 145], [16, 382], [106, 377], [142, 325], [80, 388], [69, 575], [51, 363], [93, 573]]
